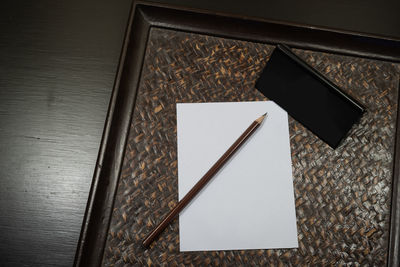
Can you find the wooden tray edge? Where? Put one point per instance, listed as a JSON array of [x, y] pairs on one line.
[[145, 15]]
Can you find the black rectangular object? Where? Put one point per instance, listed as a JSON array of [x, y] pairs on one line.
[[308, 96]]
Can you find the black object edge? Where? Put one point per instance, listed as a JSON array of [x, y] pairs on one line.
[[285, 49], [297, 60]]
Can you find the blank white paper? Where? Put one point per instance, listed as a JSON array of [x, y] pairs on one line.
[[249, 204]]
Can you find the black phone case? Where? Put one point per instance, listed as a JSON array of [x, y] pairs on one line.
[[308, 96]]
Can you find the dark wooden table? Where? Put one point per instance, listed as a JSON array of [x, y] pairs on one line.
[[58, 63]]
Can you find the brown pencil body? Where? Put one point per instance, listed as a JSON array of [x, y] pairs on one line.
[[202, 182]]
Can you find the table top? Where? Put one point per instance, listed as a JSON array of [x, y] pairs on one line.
[[58, 64]]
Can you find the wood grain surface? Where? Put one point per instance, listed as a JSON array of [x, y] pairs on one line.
[[58, 63]]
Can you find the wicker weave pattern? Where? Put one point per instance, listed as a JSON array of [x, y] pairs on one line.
[[342, 195]]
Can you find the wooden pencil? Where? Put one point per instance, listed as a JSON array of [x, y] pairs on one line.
[[202, 182]]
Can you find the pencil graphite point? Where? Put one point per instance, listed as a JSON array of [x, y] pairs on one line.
[[260, 119]]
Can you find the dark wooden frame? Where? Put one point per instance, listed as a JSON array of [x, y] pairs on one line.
[[145, 15]]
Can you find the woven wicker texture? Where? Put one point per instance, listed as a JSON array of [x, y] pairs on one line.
[[342, 196]]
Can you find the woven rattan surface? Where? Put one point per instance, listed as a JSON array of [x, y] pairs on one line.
[[342, 196]]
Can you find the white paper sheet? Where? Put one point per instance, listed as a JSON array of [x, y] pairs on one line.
[[249, 204]]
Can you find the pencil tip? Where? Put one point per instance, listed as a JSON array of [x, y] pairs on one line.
[[260, 119]]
